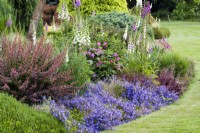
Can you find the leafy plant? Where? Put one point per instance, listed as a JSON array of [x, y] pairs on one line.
[[115, 19], [182, 67], [104, 61], [79, 67], [29, 72], [18, 117], [113, 86], [141, 65], [161, 32], [185, 10]]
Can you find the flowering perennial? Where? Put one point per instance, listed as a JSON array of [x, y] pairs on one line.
[[64, 14], [81, 36], [146, 9], [103, 111]]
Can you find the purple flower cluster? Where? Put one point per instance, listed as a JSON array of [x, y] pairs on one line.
[[60, 112], [146, 9], [134, 27], [103, 111], [9, 22], [150, 98], [104, 61], [163, 43]]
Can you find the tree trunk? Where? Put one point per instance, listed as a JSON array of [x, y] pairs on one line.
[[37, 14]]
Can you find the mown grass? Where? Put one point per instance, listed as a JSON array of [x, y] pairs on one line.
[[20, 118], [184, 115]]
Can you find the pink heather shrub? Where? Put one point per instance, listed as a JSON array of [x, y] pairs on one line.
[[30, 72]]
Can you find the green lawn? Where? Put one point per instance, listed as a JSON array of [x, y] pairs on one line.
[[184, 115]]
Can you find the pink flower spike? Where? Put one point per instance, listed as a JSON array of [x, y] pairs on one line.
[[92, 55], [118, 58], [98, 43], [115, 55]]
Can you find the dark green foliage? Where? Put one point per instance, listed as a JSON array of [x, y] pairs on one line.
[[185, 10], [115, 19], [23, 10], [161, 32], [162, 14], [17, 117], [6, 12], [168, 5]]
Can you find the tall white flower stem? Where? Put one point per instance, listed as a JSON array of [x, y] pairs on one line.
[[34, 34]]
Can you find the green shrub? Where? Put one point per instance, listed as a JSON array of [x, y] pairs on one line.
[[161, 32], [141, 65], [17, 117], [99, 6], [185, 10], [115, 19], [79, 67], [182, 66], [106, 56]]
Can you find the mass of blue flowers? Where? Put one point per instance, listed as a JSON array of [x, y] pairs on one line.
[[102, 111]]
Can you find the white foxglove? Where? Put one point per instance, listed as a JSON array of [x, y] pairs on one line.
[[67, 56], [131, 46], [64, 14], [125, 33], [34, 34], [138, 3]]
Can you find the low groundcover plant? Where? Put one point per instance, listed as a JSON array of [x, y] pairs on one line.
[[101, 111]]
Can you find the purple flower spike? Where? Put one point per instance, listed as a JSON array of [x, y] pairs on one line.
[[78, 3], [150, 50], [92, 55], [98, 43], [118, 58], [9, 22], [134, 27], [99, 63], [146, 9], [105, 45]]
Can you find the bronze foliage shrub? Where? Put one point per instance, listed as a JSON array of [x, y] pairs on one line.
[[29, 72]]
